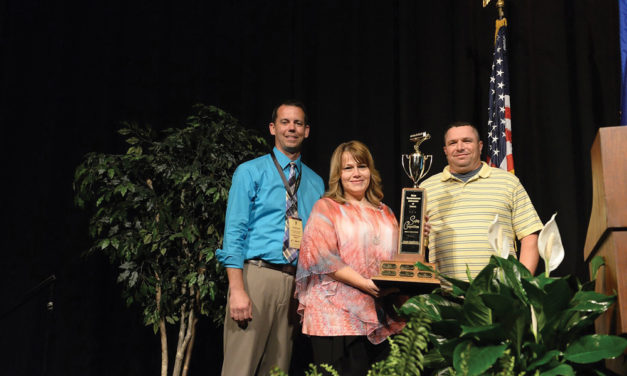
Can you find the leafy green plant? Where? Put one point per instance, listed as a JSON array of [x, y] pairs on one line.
[[406, 350], [505, 321], [158, 213], [312, 371]]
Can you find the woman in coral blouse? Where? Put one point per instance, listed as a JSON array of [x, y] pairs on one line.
[[348, 232]]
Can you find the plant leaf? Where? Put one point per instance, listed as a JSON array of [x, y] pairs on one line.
[[512, 315], [475, 310], [428, 304], [492, 332], [592, 301], [478, 359], [104, 243], [463, 285], [547, 357], [596, 262], [595, 347], [562, 369], [511, 276]]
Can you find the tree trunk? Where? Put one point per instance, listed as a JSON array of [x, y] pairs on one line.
[[190, 346], [191, 330], [164, 347], [178, 360], [164, 336]]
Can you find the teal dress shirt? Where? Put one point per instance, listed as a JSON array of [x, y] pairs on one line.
[[255, 215]]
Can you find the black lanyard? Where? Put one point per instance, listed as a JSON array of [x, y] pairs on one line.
[[287, 185]]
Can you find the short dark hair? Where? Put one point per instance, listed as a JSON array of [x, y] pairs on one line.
[[461, 123], [289, 102]]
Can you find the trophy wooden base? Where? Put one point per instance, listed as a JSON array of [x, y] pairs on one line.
[[403, 269]]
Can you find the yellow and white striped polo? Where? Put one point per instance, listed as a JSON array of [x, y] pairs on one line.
[[460, 213]]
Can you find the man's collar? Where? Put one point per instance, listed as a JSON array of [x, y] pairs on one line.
[[284, 161], [483, 173], [485, 170]]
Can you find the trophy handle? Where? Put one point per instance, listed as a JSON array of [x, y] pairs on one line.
[[428, 161], [403, 156]]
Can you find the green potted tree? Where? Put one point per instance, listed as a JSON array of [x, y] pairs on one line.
[[158, 213]]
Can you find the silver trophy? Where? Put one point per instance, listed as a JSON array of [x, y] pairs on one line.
[[411, 239], [418, 164]]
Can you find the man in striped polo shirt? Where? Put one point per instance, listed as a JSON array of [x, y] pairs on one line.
[[463, 200]]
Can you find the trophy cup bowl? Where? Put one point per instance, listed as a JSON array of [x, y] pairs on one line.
[[418, 164]]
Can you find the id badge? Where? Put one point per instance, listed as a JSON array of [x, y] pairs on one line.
[[296, 231]]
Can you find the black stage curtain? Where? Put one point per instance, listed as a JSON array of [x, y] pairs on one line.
[[369, 70]]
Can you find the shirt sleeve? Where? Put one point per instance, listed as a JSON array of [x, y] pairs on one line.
[[525, 219], [241, 196]]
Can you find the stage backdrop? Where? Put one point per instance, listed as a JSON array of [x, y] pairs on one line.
[[375, 71]]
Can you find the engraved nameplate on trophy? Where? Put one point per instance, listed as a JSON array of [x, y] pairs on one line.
[[411, 248]]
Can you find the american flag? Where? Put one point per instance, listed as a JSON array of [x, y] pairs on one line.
[[499, 115]]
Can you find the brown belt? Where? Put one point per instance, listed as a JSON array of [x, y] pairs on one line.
[[285, 268]]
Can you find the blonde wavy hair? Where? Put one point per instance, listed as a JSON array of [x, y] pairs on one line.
[[360, 152]]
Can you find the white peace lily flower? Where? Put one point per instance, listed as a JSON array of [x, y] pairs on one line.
[[499, 242], [550, 246], [534, 323]]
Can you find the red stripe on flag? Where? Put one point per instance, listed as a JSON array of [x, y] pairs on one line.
[[508, 135], [510, 163]]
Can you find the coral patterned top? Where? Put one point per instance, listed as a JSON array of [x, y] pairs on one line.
[[339, 235]]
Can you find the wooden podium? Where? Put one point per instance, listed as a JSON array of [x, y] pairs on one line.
[[607, 230]]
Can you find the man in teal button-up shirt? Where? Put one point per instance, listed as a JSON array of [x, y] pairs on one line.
[[258, 328]]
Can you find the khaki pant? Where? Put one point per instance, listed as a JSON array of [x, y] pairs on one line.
[[267, 340]]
